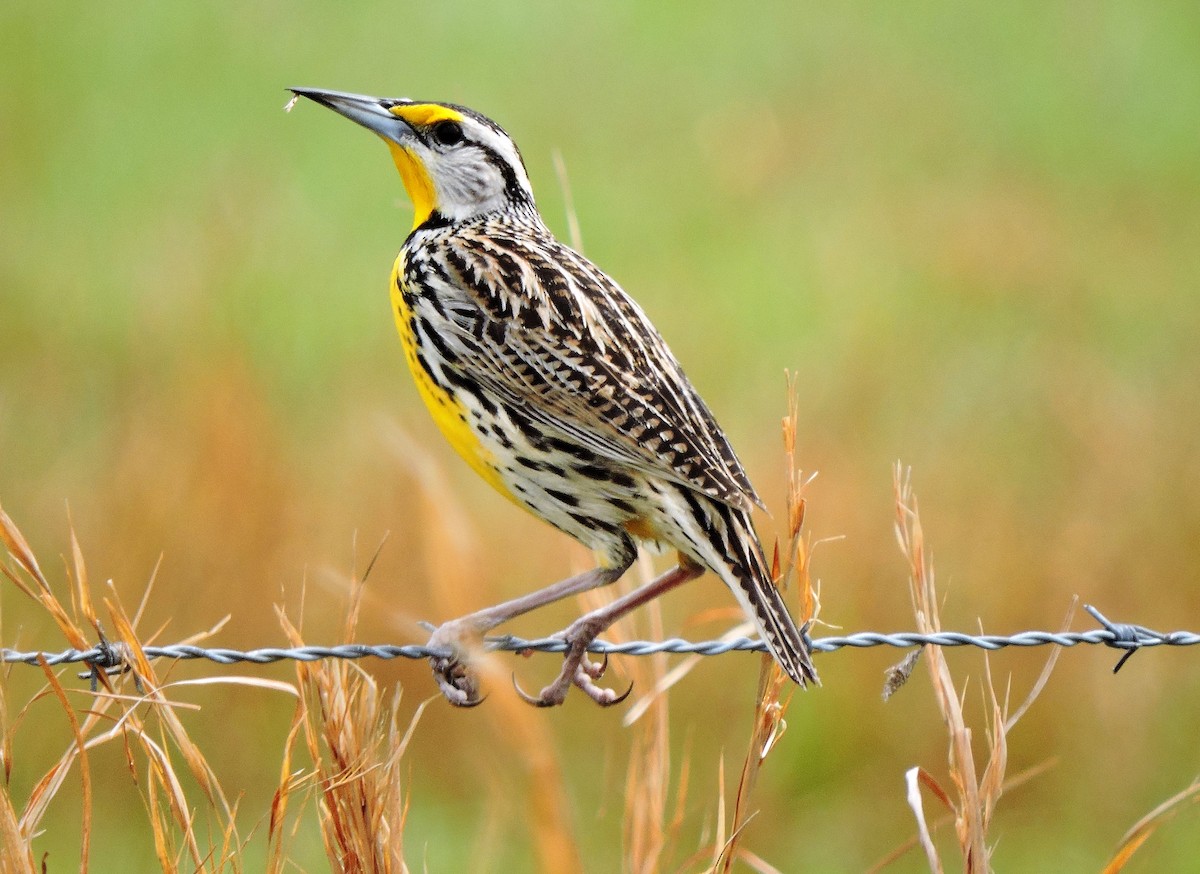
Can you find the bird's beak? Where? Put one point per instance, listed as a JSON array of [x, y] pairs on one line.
[[373, 113]]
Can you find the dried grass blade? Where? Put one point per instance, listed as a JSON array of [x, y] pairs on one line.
[[85, 772], [170, 721], [161, 772], [969, 821], [16, 852], [81, 593], [1047, 669], [279, 801], [664, 682], [757, 863], [648, 774], [18, 548], [1148, 824], [913, 778]]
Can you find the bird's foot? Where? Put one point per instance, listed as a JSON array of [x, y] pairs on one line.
[[577, 670], [452, 671]]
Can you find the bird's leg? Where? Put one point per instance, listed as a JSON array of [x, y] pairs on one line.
[[576, 670], [453, 676]]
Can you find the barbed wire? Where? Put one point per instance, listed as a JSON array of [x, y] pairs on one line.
[[110, 655]]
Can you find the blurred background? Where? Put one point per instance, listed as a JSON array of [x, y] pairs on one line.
[[973, 232]]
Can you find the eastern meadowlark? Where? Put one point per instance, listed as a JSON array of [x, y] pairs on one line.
[[556, 388]]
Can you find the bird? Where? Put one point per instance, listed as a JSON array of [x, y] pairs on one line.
[[556, 388]]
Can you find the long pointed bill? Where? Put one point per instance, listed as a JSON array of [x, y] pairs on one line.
[[373, 113]]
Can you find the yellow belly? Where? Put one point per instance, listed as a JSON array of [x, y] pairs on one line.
[[449, 414]]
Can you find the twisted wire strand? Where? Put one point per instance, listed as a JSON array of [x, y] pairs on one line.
[[1119, 635]]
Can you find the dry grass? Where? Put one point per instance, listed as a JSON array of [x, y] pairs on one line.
[[791, 560], [974, 794], [353, 736], [651, 822], [160, 754], [520, 732], [356, 739], [343, 766], [972, 230], [1145, 827]]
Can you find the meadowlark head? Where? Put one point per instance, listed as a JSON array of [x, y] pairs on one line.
[[456, 164]]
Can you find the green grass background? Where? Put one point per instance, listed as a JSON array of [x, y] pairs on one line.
[[972, 230]]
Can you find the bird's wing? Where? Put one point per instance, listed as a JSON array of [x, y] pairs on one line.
[[547, 331]]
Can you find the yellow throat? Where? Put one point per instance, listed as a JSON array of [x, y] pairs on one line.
[[417, 181]]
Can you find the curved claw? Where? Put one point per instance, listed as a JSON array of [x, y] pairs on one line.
[[622, 696], [525, 696], [555, 693], [457, 684], [530, 699], [603, 697], [459, 697]]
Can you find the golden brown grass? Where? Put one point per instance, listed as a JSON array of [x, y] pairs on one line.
[[1144, 828], [519, 731], [790, 567], [343, 767], [161, 756], [351, 729], [356, 740], [651, 822], [974, 794], [990, 262]]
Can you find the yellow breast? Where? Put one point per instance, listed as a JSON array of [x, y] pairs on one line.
[[451, 416]]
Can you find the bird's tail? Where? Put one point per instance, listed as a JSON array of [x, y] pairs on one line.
[[747, 574]]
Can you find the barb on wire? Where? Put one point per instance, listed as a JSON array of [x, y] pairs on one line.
[[1129, 638]]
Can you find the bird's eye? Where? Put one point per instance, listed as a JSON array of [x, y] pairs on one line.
[[448, 133]]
